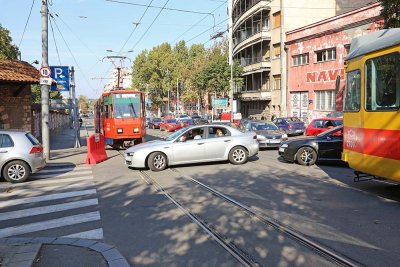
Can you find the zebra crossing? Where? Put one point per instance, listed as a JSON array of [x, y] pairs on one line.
[[59, 201]]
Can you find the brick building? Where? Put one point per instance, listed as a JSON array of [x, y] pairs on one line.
[[16, 78], [315, 56]]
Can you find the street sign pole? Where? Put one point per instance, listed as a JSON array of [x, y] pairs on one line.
[[45, 88], [75, 110]]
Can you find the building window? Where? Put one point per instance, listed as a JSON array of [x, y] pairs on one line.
[[347, 48], [326, 55], [277, 19], [300, 59], [325, 100], [277, 50], [277, 82]]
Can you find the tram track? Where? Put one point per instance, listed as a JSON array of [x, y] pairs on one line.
[[226, 243]]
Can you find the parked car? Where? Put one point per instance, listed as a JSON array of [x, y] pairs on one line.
[[308, 150], [291, 125], [182, 116], [185, 122], [147, 122], [268, 134], [20, 155], [170, 125], [318, 126], [202, 142], [154, 123]]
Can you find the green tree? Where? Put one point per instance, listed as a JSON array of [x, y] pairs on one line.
[[7, 49], [391, 13], [37, 95], [83, 104]]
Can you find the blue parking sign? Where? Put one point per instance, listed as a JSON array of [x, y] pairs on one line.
[[61, 76]]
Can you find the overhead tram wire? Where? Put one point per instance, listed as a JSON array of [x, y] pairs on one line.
[[66, 44], [198, 23], [54, 38], [206, 31], [26, 24]]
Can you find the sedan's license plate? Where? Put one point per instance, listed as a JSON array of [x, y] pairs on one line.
[[298, 131], [276, 141]]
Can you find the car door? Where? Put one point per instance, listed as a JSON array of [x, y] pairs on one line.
[[6, 144], [216, 145], [190, 150], [330, 146]]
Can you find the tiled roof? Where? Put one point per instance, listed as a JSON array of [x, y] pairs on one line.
[[18, 71]]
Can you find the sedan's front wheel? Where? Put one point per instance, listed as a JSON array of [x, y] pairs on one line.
[[16, 171], [238, 155], [306, 156], [157, 161]]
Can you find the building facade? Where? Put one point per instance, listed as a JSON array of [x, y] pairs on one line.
[[316, 55], [258, 32]]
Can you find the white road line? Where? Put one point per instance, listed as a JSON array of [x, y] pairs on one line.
[[50, 224], [61, 170], [92, 234], [48, 175], [47, 209], [63, 165], [26, 200], [49, 181], [22, 191]]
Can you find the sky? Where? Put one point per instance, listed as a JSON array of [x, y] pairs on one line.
[[83, 30]]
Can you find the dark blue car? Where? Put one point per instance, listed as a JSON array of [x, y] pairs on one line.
[[291, 125]]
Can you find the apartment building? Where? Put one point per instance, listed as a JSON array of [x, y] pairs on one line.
[[258, 29]]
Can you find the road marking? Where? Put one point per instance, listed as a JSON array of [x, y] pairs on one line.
[[14, 202], [63, 174], [47, 209], [21, 191], [51, 181], [62, 170], [92, 234], [49, 224]]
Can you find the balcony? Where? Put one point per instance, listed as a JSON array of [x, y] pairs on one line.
[[257, 95], [247, 11], [246, 39]]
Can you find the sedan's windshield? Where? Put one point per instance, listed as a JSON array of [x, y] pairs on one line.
[[156, 119], [175, 134], [171, 121], [263, 126]]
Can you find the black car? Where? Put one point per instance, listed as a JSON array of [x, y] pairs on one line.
[[306, 151]]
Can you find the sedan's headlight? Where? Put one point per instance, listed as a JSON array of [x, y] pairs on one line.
[[261, 137], [284, 145], [129, 154], [284, 136]]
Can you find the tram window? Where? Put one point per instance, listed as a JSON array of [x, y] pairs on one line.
[[353, 91], [382, 80], [106, 111]]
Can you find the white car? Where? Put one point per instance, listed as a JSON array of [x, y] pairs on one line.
[[194, 144]]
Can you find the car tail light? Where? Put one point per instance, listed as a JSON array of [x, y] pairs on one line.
[[36, 149], [290, 126]]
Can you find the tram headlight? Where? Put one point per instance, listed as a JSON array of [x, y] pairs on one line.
[[135, 130], [120, 130]]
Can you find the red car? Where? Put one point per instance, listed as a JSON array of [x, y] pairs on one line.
[[170, 125], [318, 126]]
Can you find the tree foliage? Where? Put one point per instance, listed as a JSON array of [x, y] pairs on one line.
[[37, 94], [391, 13], [196, 70], [7, 49]]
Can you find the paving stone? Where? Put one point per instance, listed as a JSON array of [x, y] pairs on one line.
[[20, 264], [100, 247], [43, 240], [29, 248], [24, 256], [112, 254], [118, 263], [65, 241], [15, 240], [84, 243]]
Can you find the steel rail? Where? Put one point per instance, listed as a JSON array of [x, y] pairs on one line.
[[321, 250]]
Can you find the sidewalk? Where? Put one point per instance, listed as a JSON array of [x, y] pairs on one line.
[[49, 252]]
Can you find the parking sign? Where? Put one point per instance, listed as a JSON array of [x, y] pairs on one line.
[[61, 76]]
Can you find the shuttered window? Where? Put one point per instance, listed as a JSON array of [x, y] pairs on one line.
[[277, 50], [325, 100], [277, 19]]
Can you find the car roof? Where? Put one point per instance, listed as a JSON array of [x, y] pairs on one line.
[[13, 131], [328, 118]]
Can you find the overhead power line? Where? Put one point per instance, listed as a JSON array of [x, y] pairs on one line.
[[26, 24], [54, 38], [206, 31]]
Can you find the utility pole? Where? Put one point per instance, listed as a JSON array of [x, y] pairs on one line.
[[45, 88], [75, 108], [230, 39], [177, 96]]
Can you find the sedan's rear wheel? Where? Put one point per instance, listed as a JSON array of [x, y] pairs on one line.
[[157, 161], [306, 156], [16, 171], [238, 155]]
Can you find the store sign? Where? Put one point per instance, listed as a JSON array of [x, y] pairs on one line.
[[324, 75]]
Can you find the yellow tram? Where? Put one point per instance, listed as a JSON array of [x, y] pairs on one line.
[[371, 143]]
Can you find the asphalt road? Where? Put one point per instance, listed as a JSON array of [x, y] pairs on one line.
[[322, 203]]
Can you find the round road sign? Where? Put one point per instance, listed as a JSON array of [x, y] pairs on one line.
[[45, 72]]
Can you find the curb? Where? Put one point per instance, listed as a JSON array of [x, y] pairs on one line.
[[27, 254]]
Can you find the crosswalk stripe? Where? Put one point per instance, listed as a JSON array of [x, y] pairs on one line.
[[49, 224], [62, 165], [14, 202], [47, 209], [21, 191], [51, 181], [55, 175], [63, 170], [92, 234]]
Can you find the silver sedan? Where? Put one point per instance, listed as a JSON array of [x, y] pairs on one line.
[[194, 144]]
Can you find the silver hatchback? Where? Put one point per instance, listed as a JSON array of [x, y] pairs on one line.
[[20, 155]]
